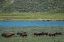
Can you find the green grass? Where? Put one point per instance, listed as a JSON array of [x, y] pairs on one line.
[[32, 39], [33, 16], [30, 30]]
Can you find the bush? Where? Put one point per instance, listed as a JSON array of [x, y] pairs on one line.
[[35, 6]]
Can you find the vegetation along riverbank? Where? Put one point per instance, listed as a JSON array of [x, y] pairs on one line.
[[37, 15]]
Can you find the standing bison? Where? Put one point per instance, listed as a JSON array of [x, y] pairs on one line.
[[52, 34], [22, 33], [58, 33], [44, 33], [37, 33], [40, 33], [7, 34]]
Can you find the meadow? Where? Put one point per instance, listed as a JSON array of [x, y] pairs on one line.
[[30, 31], [38, 15]]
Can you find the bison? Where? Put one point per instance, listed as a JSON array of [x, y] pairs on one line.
[[7, 34], [52, 34], [44, 33], [23, 34], [37, 33], [58, 33]]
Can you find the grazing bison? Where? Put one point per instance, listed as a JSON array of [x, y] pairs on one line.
[[58, 33], [44, 33], [7, 34], [23, 34], [52, 34], [37, 33]]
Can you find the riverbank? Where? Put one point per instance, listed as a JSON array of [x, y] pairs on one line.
[[28, 16], [32, 20]]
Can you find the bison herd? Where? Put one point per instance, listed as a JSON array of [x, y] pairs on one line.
[[46, 33], [24, 34]]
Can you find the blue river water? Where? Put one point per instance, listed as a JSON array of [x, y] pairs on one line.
[[31, 23]]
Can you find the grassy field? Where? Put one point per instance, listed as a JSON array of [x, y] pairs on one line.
[[30, 30], [33, 39], [33, 16]]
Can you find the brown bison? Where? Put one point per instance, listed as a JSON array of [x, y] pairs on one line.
[[52, 34], [7, 34], [44, 33], [37, 33], [58, 33], [23, 34]]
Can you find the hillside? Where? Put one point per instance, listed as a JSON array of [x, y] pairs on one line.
[[32, 6]]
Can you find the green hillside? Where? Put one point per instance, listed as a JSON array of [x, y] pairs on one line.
[[32, 6]]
